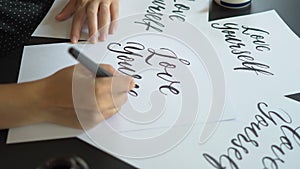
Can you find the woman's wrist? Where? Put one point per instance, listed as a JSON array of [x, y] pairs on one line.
[[20, 104], [36, 105]]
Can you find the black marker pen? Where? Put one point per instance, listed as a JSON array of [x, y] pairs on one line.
[[88, 63]]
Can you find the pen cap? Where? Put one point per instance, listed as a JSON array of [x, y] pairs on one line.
[[64, 163], [234, 4]]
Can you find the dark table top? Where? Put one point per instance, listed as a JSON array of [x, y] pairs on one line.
[[30, 155]]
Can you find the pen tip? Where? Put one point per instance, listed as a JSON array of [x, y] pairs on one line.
[[74, 52], [71, 49]]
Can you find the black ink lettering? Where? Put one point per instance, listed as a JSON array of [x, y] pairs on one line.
[[126, 49], [285, 143], [154, 53], [166, 76], [227, 26], [270, 114], [230, 161], [179, 18], [248, 29], [239, 144], [186, 62], [237, 52], [259, 68], [258, 39], [147, 22], [130, 49], [212, 161], [253, 128], [296, 135], [246, 57], [178, 13], [125, 67], [235, 44], [236, 153], [230, 37], [154, 16], [134, 46], [133, 93], [125, 58], [275, 149], [169, 88], [273, 163], [261, 48]]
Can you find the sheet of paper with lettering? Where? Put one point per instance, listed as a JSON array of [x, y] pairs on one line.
[[164, 79], [183, 10], [268, 137], [259, 54], [174, 80], [179, 13]]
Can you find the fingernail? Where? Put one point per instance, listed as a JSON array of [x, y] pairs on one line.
[[74, 39], [57, 17], [103, 37], [132, 84], [94, 39], [112, 30]]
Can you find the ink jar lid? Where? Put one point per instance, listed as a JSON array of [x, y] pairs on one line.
[[234, 4], [72, 162]]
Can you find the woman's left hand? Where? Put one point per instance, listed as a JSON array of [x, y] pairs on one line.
[[83, 10]]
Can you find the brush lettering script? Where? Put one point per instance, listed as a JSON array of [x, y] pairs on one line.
[[243, 51], [242, 144], [129, 52], [153, 19]]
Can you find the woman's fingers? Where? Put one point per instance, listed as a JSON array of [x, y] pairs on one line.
[[67, 12], [112, 92], [108, 113], [115, 84], [92, 19], [110, 101], [111, 70], [114, 14], [104, 11], [78, 21], [100, 14]]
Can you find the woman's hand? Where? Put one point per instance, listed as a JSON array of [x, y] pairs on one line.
[[83, 10], [94, 100], [71, 97]]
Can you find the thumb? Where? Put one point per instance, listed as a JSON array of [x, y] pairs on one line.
[[67, 12]]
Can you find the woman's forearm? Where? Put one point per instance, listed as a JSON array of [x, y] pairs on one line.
[[51, 99], [19, 104]]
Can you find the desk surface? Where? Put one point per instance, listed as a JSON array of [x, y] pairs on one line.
[[30, 155]]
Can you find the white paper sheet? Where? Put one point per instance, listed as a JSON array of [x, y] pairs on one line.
[[32, 69], [51, 28], [267, 57], [190, 154], [53, 57], [267, 132], [197, 14]]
